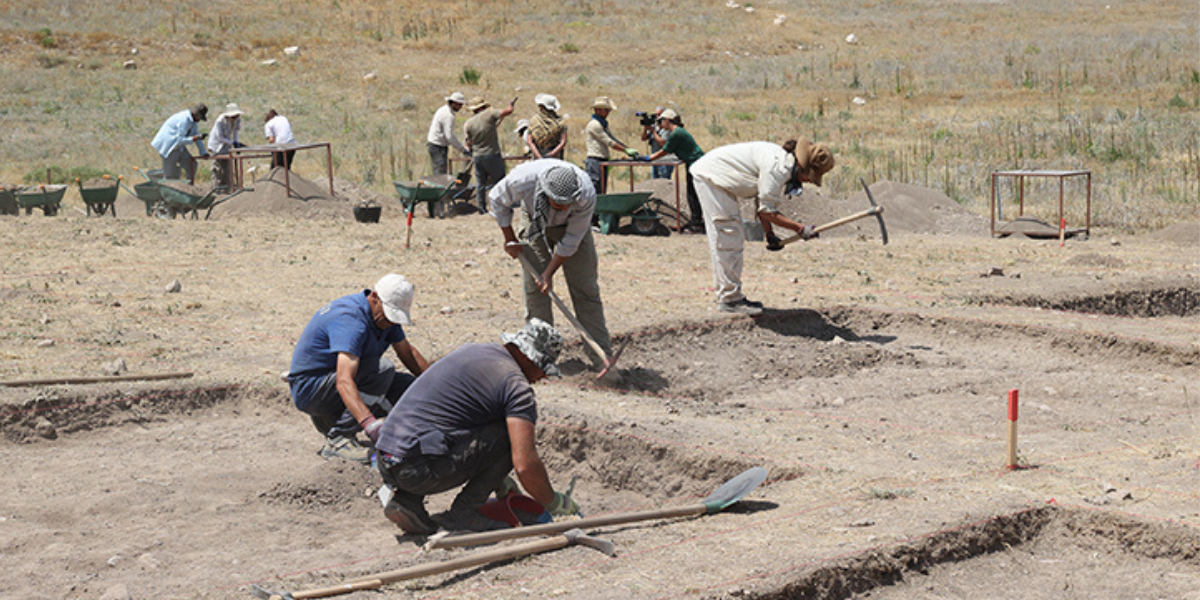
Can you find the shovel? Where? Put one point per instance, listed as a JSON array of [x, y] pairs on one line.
[[733, 490], [373, 582], [609, 361]]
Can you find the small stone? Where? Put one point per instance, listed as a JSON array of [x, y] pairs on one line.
[[1098, 500], [46, 429], [269, 62], [913, 455], [292, 51], [114, 560], [993, 272], [837, 339], [863, 523], [1123, 495], [1108, 487], [470, 264], [839, 401], [116, 592], [45, 320], [130, 65], [505, 294], [174, 287], [115, 367], [447, 310], [148, 562], [45, 343]]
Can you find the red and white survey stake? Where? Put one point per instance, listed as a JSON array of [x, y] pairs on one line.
[[1012, 429], [1062, 233]]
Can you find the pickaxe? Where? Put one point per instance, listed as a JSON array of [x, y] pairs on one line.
[[374, 582], [875, 211], [609, 361]]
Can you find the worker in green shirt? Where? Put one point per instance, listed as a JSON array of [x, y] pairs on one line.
[[680, 143]]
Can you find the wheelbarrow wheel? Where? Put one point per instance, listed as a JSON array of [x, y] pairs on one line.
[[645, 222], [162, 211]]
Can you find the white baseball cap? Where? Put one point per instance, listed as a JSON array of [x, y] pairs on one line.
[[457, 98], [396, 294]]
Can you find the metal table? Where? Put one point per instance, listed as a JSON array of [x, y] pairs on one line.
[[676, 174], [1020, 175], [239, 155]]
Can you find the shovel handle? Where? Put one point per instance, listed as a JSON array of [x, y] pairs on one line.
[[587, 337], [491, 537]]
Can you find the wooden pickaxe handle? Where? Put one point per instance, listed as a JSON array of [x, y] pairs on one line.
[[587, 337], [870, 212]]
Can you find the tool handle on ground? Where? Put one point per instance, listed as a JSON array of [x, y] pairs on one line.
[[870, 212], [490, 537], [79, 380], [471, 560], [337, 590], [587, 337]]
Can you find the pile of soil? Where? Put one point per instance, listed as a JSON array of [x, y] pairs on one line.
[[1183, 234], [907, 209], [99, 183], [184, 187], [270, 197]]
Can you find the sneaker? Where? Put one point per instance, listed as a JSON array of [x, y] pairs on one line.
[[742, 306], [469, 520], [346, 448], [408, 512]]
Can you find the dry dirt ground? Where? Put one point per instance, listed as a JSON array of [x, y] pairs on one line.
[[873, 389]]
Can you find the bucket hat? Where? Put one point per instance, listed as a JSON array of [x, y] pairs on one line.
[[814, 159], [457, 98], [540, 342], [548, 101]]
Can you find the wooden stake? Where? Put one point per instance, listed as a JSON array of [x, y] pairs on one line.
[[77, 380], [1012, 429]]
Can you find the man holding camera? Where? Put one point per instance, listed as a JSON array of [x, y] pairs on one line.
[[681, 143], [656, 136]]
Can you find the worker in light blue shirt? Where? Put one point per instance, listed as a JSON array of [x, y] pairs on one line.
[[172, 138]]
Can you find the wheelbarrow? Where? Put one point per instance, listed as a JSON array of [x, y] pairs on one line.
[[8, 204], [177, 201], [424, 190], [100, 198], [48, 198], [146, 191], [611, 207]]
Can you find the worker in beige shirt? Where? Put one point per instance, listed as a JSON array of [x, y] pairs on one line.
[[600, 140]]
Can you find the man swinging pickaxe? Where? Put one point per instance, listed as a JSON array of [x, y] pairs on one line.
[[875, 211]]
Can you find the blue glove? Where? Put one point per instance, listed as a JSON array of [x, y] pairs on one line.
[[644, 158]]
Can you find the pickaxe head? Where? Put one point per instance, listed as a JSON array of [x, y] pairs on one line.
[[878, 215], [264, 594], [577, 536]]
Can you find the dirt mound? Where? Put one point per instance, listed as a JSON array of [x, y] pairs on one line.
[[1184, 234], [270, 197], [99, 183]]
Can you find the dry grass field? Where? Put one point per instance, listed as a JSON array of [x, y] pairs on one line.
[[952, 89]]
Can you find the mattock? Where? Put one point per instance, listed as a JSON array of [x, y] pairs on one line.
[[609, 361], [875, 211], [374, 582]]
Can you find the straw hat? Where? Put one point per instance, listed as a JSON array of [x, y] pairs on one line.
[[477, 103], [604, 102]]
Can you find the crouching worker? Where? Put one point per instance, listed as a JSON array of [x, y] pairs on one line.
[[338, 374], [470, 420]]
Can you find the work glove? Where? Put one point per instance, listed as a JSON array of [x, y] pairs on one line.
[[506, 487], [808, 232], [774, 244], [644, 158], [372, 427], [631, 152], [562, 505]]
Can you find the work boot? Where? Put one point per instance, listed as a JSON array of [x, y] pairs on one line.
[[469, 520], [346, 448], [408, 512], [742, 306]]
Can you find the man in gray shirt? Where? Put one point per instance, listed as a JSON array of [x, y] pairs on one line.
[[483, 141]]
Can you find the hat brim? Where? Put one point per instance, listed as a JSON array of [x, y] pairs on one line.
[[537, 358], [396, 315]]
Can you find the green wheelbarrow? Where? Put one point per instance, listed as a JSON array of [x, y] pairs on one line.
[[611, 207], [414, 192], [146, 191], [100, 198], [8, 204], [182, 201], [47, 198]]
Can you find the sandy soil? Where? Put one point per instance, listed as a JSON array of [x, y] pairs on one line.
[[873, 390]]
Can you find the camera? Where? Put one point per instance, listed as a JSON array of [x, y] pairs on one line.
[[646, 119]]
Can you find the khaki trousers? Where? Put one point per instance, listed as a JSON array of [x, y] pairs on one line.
[[581, 274], [726, 238]]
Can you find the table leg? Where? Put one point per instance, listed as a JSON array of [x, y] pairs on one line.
[[329, 164]]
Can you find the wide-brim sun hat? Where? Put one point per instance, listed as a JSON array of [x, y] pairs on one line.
[[457, 98], [477, 103], [522, 125], [814, 159], [540, 342], [548, 101], [233, 110], [604, 102], [396, 294]]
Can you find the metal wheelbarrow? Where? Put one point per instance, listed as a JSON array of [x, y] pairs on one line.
[[413, 192], [8, 204], [100, 199], [146, 191], [48, 198], [611, 207], [177, 201]]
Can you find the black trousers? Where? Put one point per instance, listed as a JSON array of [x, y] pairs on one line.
[[481, 461]]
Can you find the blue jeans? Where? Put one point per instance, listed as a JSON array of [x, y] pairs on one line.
[[380, 388]]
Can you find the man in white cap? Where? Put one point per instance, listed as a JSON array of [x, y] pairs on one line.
[[483, 140], [600, 139], [558, 201], [172, 138], [222, 139], [547, 132], [441, 134], [338, 374], [470, 420]]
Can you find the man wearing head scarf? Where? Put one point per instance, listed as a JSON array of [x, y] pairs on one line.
[[762, 172], [547, 132], [441, 134], [558, 201], [172, 138], [470, 420]]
